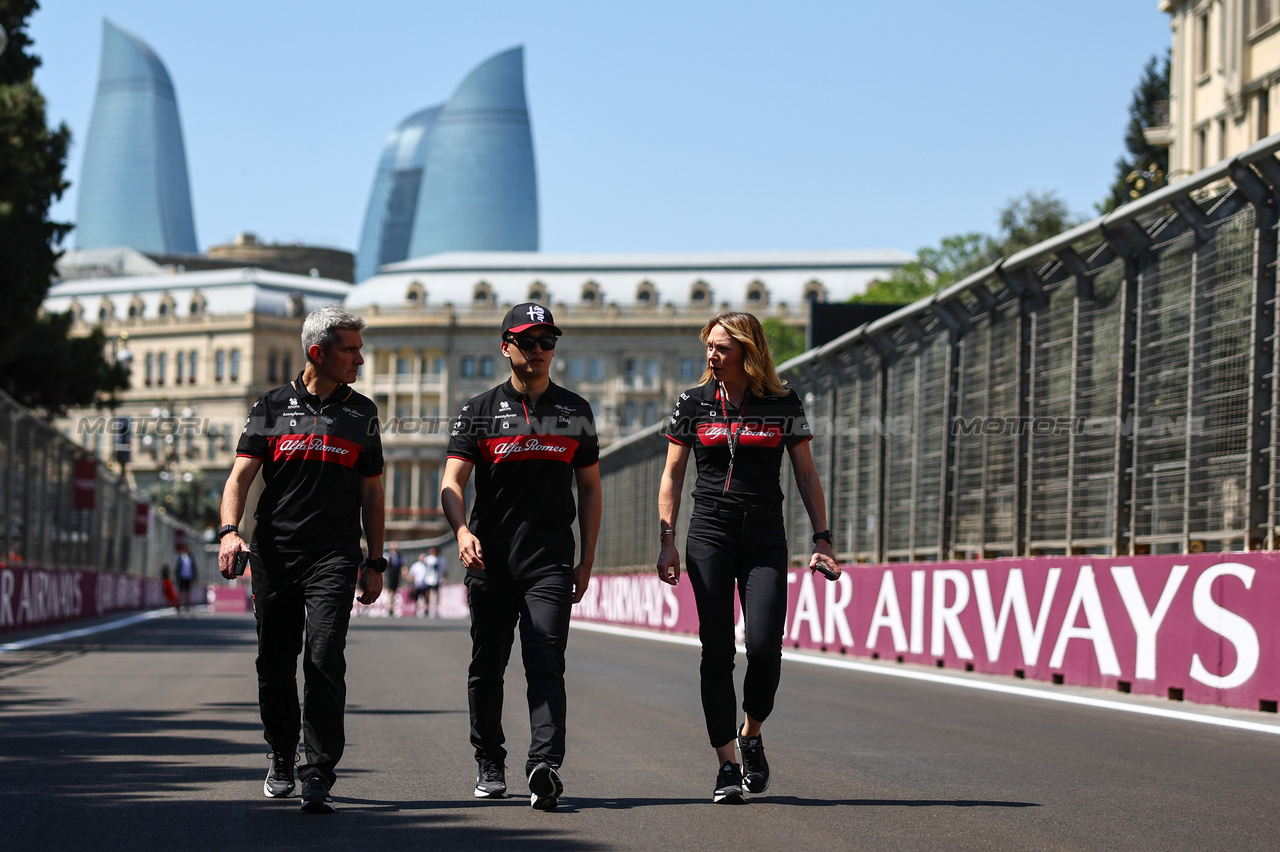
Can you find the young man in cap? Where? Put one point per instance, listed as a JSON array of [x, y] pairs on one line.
[[528, 442]]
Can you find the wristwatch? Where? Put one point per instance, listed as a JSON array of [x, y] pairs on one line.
[[379, 564], [225, 529], [825, 535]]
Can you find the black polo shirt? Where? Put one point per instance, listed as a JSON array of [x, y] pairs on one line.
[[764, 427], [314, 454], [525, 457]]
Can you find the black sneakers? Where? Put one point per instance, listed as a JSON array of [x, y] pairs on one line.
[[755, 769], [315, 797], [491, 781], [545, 787], [728, 785], [279, 783]]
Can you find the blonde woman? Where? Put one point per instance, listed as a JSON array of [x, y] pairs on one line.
[[737, 423]]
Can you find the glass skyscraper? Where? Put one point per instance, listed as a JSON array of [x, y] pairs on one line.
[[134, 189], [457, 177]]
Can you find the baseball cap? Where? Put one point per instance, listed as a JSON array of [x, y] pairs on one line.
[[525, 316]]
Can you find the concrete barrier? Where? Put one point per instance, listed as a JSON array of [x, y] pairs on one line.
[[1200, 627]]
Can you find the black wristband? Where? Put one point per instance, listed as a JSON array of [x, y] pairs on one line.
[[825, 535], [226, 530], [379, 564]]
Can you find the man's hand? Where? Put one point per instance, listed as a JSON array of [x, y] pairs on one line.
[[669, 563], [371, 581], [822, 553], [581, 579], [469, 550], [232, 544]]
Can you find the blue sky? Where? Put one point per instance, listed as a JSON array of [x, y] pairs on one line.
[[663, 126]]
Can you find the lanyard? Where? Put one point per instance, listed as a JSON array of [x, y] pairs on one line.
[[734, 434]]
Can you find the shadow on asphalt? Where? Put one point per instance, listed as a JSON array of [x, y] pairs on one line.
[[891, 803]]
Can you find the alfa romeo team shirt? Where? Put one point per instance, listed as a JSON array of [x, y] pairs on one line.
[[761, 429], [314, 454], [524, 458]]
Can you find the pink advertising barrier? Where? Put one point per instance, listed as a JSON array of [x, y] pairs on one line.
[[34, 597], [1205, 627]]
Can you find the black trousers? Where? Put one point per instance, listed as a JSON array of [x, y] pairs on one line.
[[541, 607], [749, 548], [296, 594]]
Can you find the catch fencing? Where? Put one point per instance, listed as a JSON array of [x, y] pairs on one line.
[[62, 509], [1110, 391]]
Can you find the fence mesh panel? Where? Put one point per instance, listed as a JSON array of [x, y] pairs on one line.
[[1164, 450]]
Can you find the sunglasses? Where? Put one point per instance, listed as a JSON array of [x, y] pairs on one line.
[[527, 343]]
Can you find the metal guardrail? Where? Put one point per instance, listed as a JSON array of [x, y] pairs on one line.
[[1112, 390], [40, 525]]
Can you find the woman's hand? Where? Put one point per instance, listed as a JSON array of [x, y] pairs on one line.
[[822, 553], [669, 562]]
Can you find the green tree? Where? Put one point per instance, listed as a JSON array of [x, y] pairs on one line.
[[785, 341], [1023, 221], [1145, 167], [188, 498], [32, 159]]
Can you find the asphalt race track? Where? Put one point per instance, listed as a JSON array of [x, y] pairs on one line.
[[147, 737]]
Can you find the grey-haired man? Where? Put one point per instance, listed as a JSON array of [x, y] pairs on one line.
[[316, 442]]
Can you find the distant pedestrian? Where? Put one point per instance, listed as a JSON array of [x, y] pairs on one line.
[[316, 442], [418, 575], [434, 575], [529, 443], [170, 593], [395, 568], [738, 423], [186, 571]]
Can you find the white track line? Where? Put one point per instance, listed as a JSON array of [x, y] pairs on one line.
[[949, 680], [84, 631]]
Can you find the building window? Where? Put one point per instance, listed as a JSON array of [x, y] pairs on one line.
[[402, 365], [136, 308], [595, 369], [815, 292], [757, 295], [482, 295], [197, 305], [437, 365], [646, 294], [178, 362], [219, 365], [650, 413], [273, 366], [429, 493], [401, 485], [191, 367], [235, 365], [537, 293], [1201, 152], [106, 310], [417, 294], [164, 309], [1202, 46], [628, 415], [468, 367], [590, 294], [486, 367], [150, 373], [1261, 13], [1264, 113], [1222, 139], [700, 293], [577, 369], [162, 363], [286, 362], [689, 369]]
